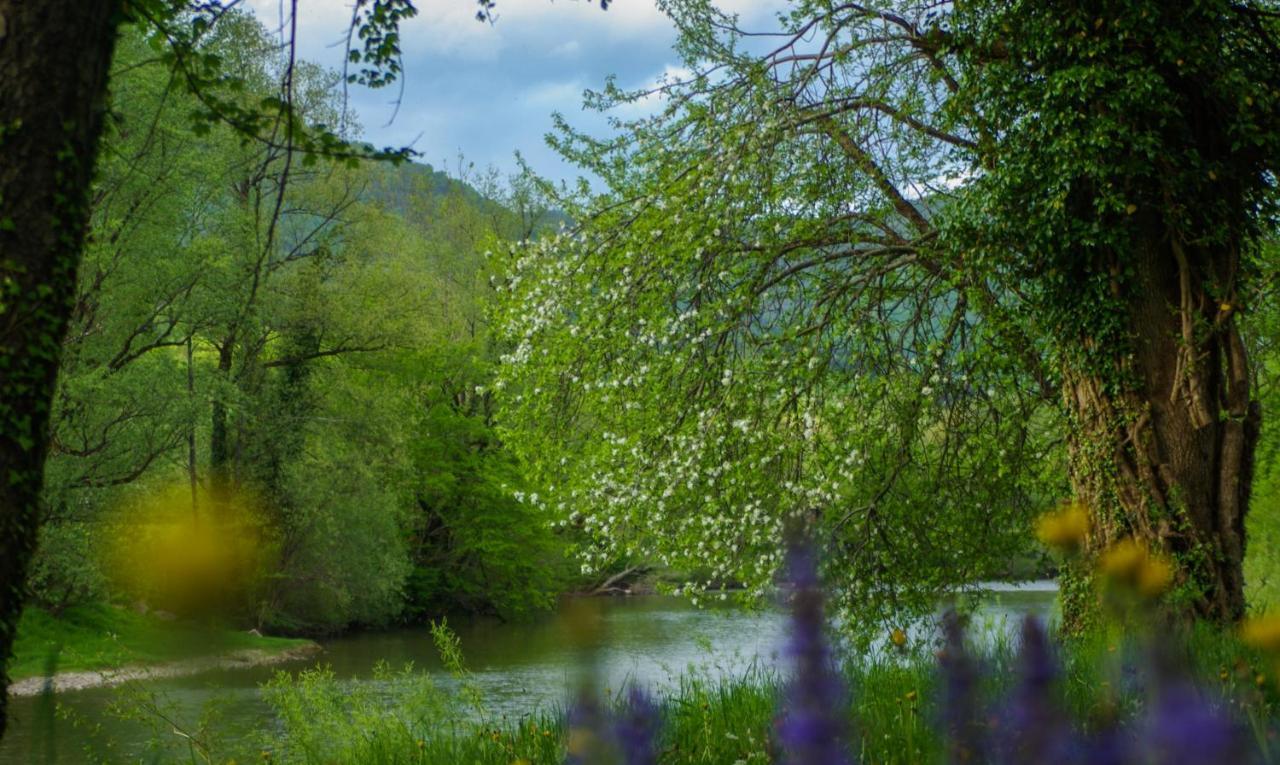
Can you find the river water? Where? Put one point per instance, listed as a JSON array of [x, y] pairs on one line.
[[649, 640]]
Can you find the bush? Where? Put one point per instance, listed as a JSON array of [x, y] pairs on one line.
[[65, 570]]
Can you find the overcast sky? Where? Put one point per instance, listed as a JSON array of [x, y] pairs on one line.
[[487, 91]]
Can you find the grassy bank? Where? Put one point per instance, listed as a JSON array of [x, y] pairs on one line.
[[101, 636], [894, 716]]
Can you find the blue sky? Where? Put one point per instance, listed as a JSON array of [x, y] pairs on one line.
[[486, 91]]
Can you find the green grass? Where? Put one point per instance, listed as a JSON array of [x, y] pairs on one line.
[[893, 714], [101, 636], [405, 718]]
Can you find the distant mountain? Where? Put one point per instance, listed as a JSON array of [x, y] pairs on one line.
[[395, 186]]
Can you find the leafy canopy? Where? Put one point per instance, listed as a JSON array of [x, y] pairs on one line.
[[839, 273]]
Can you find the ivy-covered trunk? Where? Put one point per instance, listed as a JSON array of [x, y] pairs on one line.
[[54, 59], [1163, 438]]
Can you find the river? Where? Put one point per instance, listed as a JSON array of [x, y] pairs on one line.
[[521, 668]]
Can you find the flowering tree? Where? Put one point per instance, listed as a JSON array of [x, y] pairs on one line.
[[873, 267]]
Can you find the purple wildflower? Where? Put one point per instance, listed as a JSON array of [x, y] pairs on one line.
[[1110, 746], [636, 729], [1186, 725], [811, 727], [1031, 727], [588, 737], [962, 716]]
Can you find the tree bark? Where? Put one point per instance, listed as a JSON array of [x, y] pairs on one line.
[[1162, 444], [54, 60], [219, 433]]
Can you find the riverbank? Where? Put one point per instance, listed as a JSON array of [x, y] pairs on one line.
[[897, 710], [100, 645]]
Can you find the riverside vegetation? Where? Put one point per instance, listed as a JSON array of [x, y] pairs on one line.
[[1126, 694], [903, 278]]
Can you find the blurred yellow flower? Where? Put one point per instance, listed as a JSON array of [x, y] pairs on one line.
[[1065, 529], [1131, 565], [1155, 576], [195, 556], [1122, 560], [898, 637], [1262, 633], [580, 741]]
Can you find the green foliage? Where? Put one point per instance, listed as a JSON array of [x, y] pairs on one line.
[[325, 721], [225, 96], [869, 277], [754, 324], [1075, 211], [1262, 557], [65, 571], [311, 336], [479, 543]]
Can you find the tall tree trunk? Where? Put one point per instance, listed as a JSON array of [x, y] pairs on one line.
[[219, 433], [1163, 443], [192, 473], [54, 60]]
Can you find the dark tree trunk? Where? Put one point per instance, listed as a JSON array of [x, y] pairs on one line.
[[54, 60], [1162, 447]]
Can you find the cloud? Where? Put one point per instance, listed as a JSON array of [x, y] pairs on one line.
[[488, 90], [652, 101], [555, 96], [567, 49]]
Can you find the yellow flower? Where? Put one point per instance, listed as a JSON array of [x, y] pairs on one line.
[[1121, 560], [1129, 564], [1262, 633], [1065, 529], [580, 741], [898, 637], [1155, 576]]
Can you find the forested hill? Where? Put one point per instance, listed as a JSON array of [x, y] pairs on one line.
[[394, 186]]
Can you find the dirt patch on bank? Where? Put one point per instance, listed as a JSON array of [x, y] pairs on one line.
[[78, 681]]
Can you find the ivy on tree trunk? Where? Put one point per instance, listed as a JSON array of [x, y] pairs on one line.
[[54, 60]]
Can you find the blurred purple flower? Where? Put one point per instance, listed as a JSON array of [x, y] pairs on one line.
[[812, 722], [1030, 727], [636, 729], [1188, 727], [963, 726], [588, 736]]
